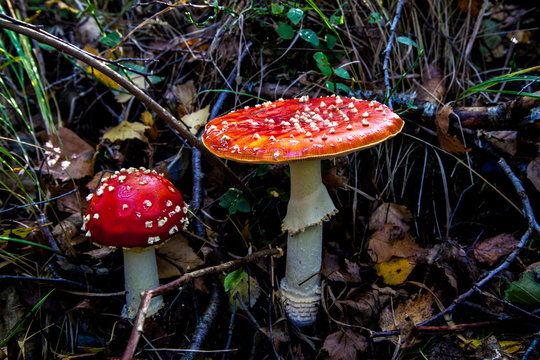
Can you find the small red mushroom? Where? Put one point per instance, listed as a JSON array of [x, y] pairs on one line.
[[135, 209], [301, 132]]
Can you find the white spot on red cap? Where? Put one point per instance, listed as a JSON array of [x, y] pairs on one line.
[[147, 203], [153, 239], [148, 224]]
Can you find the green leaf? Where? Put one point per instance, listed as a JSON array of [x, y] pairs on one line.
[[232, 279], [295, 15], [285, 31], [344, 88], [407, 41], [525, 291], [342, 73], [374, 18], [323, 63], [276, 9], [310, 36], [330, 86], [331, 41], [336, 18], [111, 39], [242, 205]]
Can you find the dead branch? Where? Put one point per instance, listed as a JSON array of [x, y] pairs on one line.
[[63, 46], [138, 323]]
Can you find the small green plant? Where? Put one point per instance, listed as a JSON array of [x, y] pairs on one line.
[[234, 201], [290, 25]]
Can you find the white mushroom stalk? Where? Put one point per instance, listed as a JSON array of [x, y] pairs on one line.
[[137, 281], [309, 205]]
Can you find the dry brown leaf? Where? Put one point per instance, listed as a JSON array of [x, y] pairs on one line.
[[416, 310], [470, 7], [533, 172], [68, 156], [490, 250], [197, 119], [433, 88], [365, 306], [126, 130], [185, 94], [178, 254], [447, 142], [391, 242], [390, 213], [505, 140], [343, 344]]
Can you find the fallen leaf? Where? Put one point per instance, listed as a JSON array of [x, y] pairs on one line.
[[533, 172], [490, 250], [525, 291], [505, 140], [390, 213], [67, 155], [196, 120], [61, 6], [248, 290], [177, 254], [364, 307], [343, 344], [395, 271], [390, 242], [126, 130], [138, 80], [433, 88], [185, 95], [448, 142], [417, 310], [107, 81], [470, 6]]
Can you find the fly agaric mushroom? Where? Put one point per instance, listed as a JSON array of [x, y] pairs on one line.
[[135, 209], [302, 132]]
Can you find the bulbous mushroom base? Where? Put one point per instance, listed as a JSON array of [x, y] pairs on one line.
[[301, 306]]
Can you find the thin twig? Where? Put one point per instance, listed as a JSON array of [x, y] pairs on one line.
[[389, 49], [38, 34], [138, 323]]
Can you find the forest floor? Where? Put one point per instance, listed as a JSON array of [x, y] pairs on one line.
[[433, 253]]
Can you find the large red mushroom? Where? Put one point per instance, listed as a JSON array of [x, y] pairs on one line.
[[301, 132], [136, 210]]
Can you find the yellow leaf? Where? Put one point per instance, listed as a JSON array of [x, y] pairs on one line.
[[21, 232], [147, 118], [395, 271], [126, 130], [62, 6], [107, 81], [195, 120]]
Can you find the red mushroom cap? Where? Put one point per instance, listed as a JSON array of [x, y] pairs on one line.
[[294, 129], [134, 208]]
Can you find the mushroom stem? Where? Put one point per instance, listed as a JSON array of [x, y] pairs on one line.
[[138, 280], [309, 205]]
